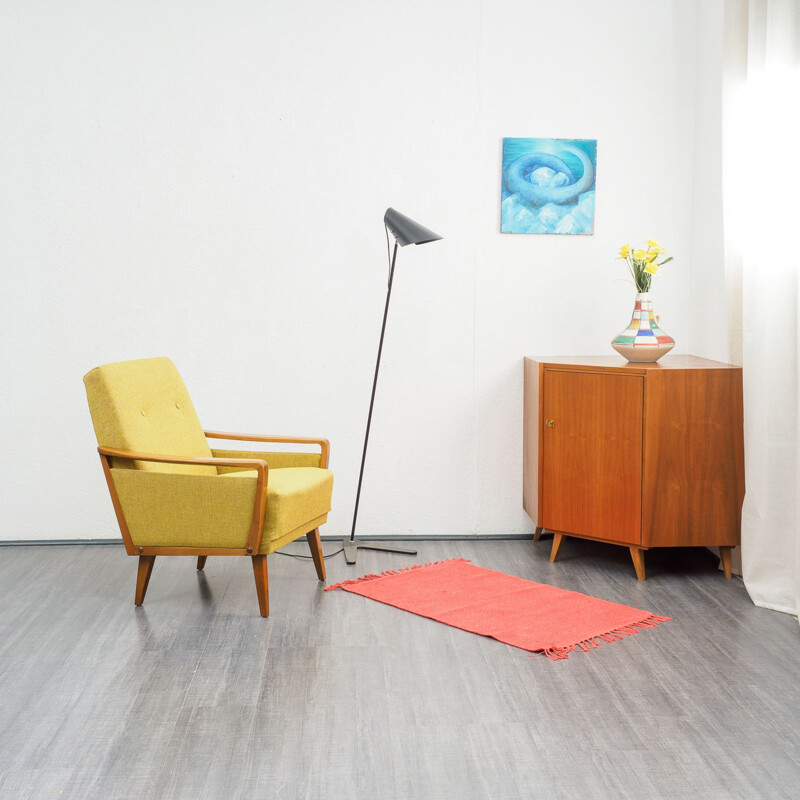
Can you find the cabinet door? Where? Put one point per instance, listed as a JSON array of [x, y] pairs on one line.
[[592, 454]]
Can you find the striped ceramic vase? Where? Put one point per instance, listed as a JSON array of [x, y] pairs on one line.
[[643, 340]]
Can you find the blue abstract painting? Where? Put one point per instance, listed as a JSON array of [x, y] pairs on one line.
[[548, 186]]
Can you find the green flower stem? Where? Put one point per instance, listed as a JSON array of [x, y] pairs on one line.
[[642, 279]]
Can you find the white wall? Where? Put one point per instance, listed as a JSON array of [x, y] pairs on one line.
[[708, 300], [207, 181]]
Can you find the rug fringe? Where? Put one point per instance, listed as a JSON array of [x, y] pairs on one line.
[[389, 572], [561, 653]]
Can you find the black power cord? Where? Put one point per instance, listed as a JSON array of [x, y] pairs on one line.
[[297, 555]]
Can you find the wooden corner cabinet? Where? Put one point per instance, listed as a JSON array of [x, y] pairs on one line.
[[639, 455]]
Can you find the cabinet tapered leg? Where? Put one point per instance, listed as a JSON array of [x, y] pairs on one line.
[[201, 561], [316, 552], [725, 555], [557, 539], [143, 577], [262, 583], [638, 562], [537, 534]]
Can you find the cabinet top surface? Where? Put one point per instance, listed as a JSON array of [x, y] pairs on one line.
[[618, 362]]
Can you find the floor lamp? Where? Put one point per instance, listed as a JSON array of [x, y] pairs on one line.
[[405, 231]]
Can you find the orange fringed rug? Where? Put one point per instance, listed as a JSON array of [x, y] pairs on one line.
[[521, 613]]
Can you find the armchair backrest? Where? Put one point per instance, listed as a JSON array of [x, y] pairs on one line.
[[143, 406]]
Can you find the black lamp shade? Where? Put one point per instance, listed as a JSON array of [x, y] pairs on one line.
[[405, 230]]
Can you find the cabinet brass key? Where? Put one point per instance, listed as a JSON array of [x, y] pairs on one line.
[[549, 423]]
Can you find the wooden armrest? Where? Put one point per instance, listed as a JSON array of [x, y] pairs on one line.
[[247, 463], [259, 506], [324, 444]]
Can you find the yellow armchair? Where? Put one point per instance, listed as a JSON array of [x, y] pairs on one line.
[[174, 495]]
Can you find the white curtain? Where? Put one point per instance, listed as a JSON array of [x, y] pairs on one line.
[[761, 176]]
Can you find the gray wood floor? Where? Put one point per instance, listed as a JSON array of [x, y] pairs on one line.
[[336, 696]]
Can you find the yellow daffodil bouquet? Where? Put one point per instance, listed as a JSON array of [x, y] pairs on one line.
[[643, 264]]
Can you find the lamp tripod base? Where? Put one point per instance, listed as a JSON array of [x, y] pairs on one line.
[[352, 546]]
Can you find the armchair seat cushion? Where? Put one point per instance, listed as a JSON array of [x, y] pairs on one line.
[[179, 510], [296, 496]]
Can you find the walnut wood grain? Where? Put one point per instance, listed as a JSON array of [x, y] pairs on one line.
[[693, 481], [725, 556], [315, 545], [605, 363], [143, 573], [262, 583], [257, 437], [120, 515], [606, 539], [664, 471], [557, 539], [592, 462], [170, 550], [637, 554]]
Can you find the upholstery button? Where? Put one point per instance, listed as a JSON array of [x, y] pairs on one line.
[[142, 412], [177, 405]]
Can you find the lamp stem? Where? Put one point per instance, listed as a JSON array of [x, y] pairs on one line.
[[374, 386]]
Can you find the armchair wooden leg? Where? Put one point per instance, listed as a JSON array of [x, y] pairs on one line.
[[316, 552], [725, 555], [637, 556], [262, 583], [557, 539], [201, 561], [143, 577]]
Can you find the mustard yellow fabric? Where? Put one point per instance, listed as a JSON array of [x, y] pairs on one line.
[[144, 406], [271, 546], [294, 496], [178, 510], [274, 460]]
